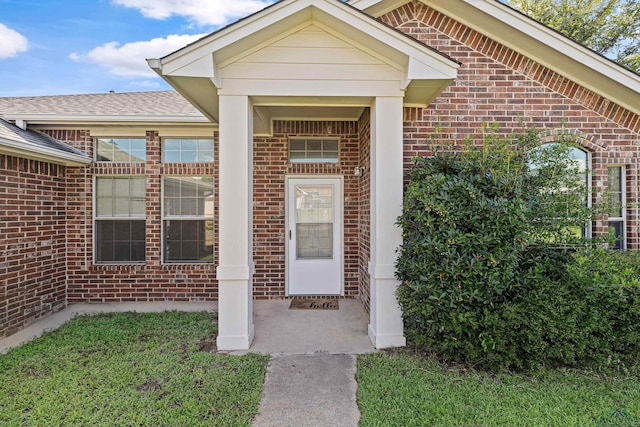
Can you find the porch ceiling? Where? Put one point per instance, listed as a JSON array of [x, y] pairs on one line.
[[306, 59]]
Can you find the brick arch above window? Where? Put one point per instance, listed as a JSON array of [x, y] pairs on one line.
[[581, 139]]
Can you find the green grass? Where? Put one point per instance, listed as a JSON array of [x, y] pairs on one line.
[[129, 369], [405, 389]]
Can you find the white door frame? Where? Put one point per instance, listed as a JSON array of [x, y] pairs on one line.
[[340, 199]]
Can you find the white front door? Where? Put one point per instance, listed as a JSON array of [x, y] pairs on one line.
[[314, 236]]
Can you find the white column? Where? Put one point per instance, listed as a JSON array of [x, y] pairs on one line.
[[235, 269], [385, 327]]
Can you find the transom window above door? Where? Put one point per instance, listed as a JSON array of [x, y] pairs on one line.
[[313, 150]]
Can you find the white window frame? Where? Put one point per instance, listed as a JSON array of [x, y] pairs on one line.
[[95, 148], [322, 151], [96, 218], [181, 139], [623, 201], [165, 217]]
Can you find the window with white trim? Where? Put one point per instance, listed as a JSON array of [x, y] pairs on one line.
[[126, 150], [175, 150], [120, 219], [314, 150], [617, 211], [187, 219], [579, 161]]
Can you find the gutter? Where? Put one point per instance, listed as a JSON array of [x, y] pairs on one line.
[[35, 152]]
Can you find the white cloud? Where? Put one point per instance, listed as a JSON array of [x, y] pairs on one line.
[[11, 42], [202, 12], [128, 60]]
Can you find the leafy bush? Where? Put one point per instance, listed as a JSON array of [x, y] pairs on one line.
[[482, 279]]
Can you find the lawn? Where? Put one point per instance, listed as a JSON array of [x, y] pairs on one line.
[[130, 369], [402, 388]]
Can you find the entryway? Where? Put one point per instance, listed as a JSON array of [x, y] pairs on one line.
[[314, 227], [280, 330]]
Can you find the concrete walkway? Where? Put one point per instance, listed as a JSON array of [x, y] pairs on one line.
[[310, 390], [311, 377]]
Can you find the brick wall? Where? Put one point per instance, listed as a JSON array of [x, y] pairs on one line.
[[270, 167], [496, 84], [153, 280], [32, 243], [364, 221]]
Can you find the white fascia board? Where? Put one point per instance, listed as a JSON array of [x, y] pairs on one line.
[[547, 47], [555, 40], [232, 33], [279, 12], [35, 152], [82, 119], [377, 7], [418, 70]]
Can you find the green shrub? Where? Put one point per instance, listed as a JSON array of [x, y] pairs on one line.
[[480, 281]]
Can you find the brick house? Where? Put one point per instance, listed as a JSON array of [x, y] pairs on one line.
[[276, 167]]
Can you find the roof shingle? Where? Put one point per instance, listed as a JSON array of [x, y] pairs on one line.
[[159, 103], [13, 133]]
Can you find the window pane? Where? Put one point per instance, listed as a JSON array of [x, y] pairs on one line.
[[104, 206], [188, 241], [188, 196], [121, 149], [615, 177], [188, 150], [313, 150], [172, 145], [331, 145], [314, 241], [314, 145], [189, 156], [297, 145], [189, 145], [314, 204], [120, 197], [120, 241], [616, 231]]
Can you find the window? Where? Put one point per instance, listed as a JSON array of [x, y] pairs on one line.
[[120, 205], [313, 150], [617, 211], [127, 150], [572, 197], [187, 150], [188, 219]]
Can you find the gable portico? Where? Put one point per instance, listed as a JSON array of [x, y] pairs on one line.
[[299, 60]]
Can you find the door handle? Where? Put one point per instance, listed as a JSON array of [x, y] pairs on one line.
[[289, 234]]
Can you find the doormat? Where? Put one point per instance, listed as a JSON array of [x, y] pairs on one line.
[[314, 304]]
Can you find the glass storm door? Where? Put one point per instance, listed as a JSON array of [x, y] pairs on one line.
[[314, 236]]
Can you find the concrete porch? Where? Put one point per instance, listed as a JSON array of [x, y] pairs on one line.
[[278, 329]]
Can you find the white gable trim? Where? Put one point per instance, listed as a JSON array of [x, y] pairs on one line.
[[200, 71]]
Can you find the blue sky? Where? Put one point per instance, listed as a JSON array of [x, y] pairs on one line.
[[55, 47]]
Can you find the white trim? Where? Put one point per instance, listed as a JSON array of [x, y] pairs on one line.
[[79, 119], [95, 218], [164, 218], [287, 223], [32, 151], [623, 200]]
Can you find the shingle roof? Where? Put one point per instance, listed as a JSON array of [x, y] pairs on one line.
[[13, 133], [160, 103]]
